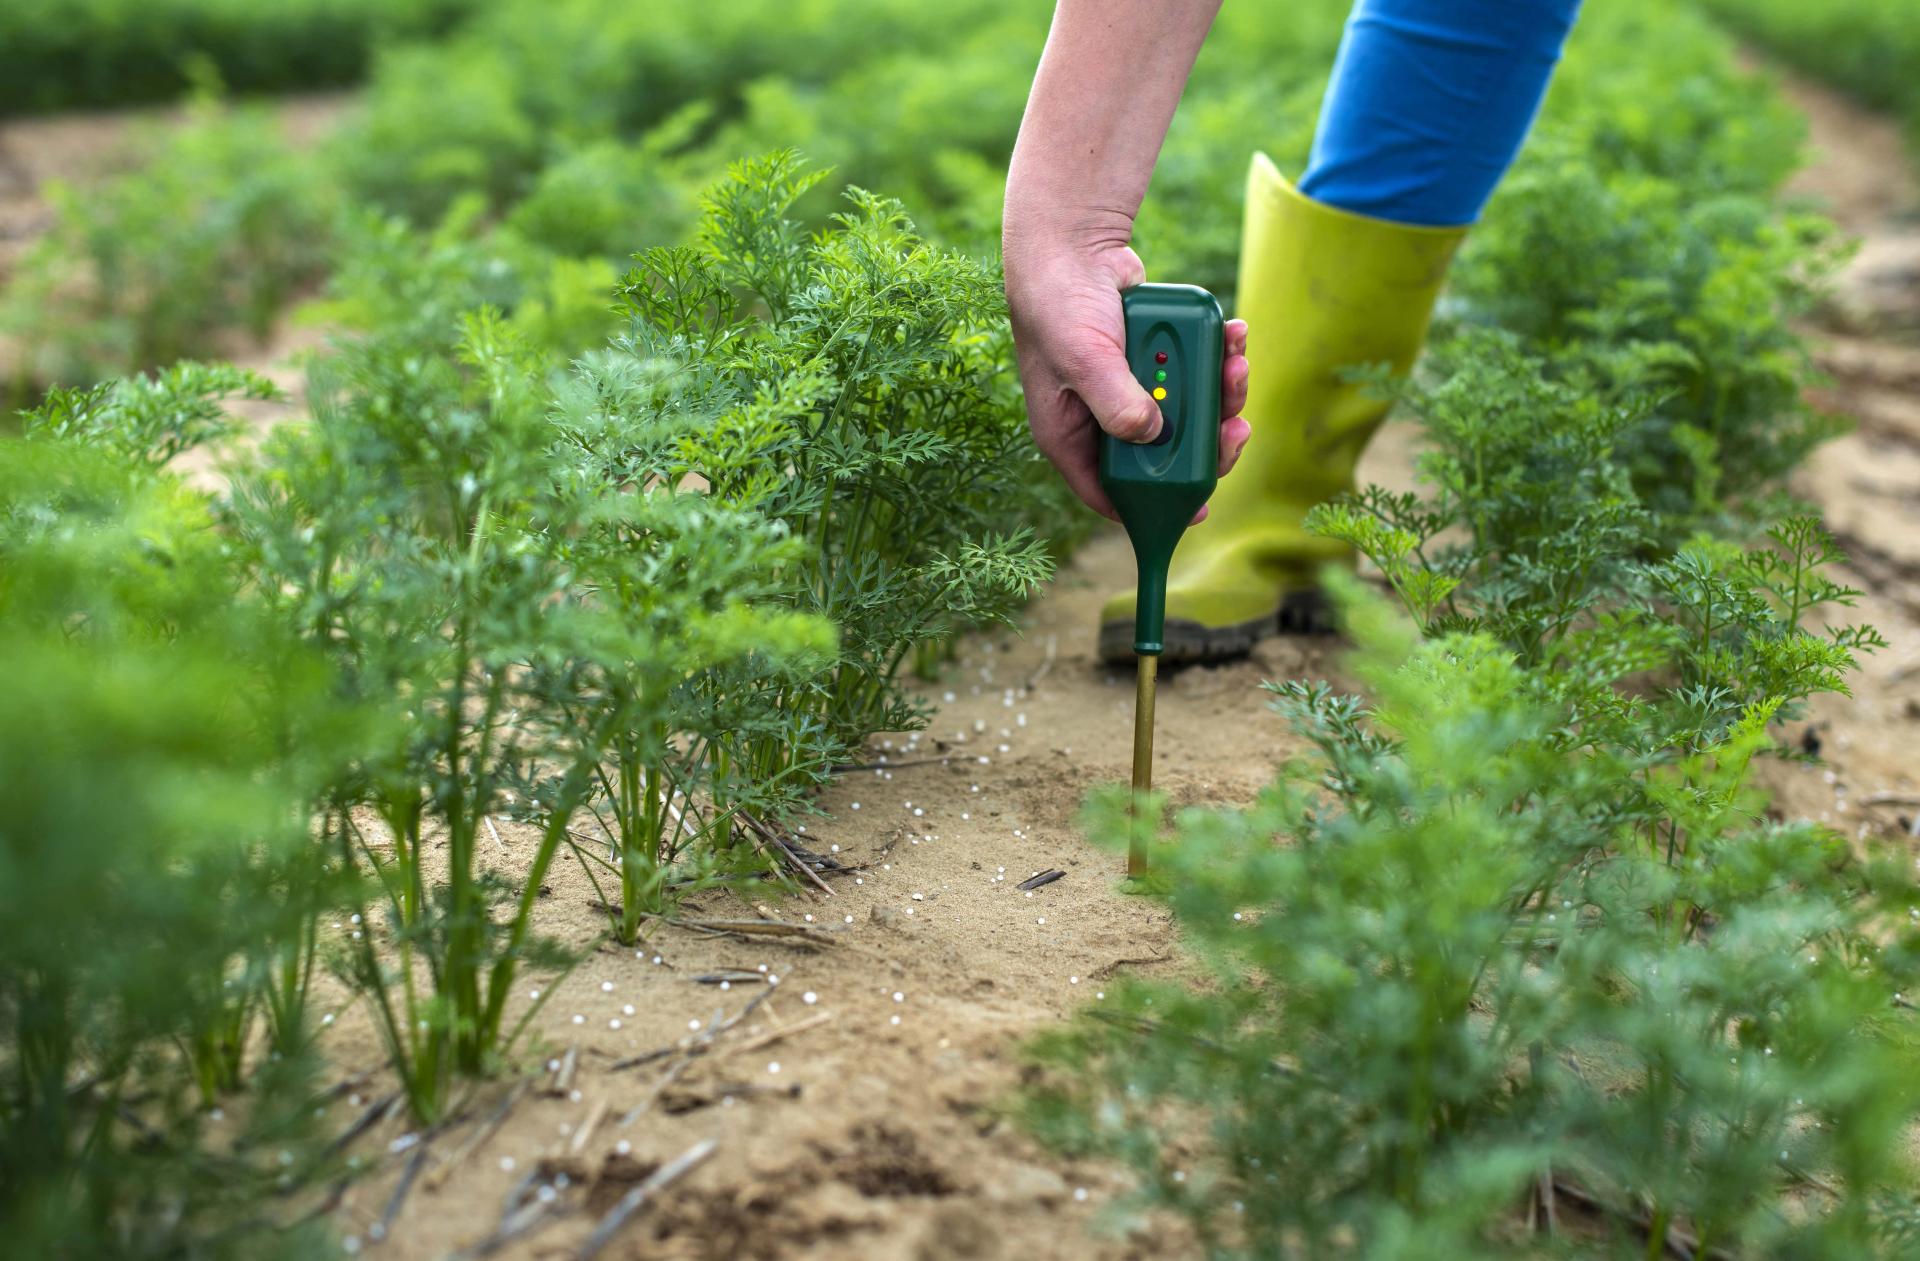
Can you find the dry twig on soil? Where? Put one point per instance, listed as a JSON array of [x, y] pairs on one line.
[[805, 936], [584, 1135], [374, 1114], [697, 1045], [785, 850], [401, 1191], [486, 1130], [519, 1214], [562, 1082], [1106, 970], [635, 1200], [1679, 1244], [844, 767], [774, 1035]]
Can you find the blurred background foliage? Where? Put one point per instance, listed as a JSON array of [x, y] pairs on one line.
[[76, 54], [554, 137], [1869, 49]]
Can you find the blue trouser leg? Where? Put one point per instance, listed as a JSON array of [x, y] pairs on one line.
[[1429, 102]]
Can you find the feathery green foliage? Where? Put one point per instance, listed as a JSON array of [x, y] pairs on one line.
[[218, 232], [1445, 965], [157, 878], [511, 618], [854, 387]]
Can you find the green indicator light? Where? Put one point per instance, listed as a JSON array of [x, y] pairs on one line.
[[1161, 375]]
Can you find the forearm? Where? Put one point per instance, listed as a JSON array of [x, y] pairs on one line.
[[1109, 79]]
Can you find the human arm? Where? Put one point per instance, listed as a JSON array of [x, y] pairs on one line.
[[1109, 79]]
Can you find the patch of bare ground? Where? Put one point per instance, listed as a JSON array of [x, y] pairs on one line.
[[859, 1109], [1867, 483]]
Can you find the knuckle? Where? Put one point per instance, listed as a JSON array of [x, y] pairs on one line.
[[1134, 422], [1128, 269]]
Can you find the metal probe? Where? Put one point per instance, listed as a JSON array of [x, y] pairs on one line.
[[1175, 346], [1146, 671]]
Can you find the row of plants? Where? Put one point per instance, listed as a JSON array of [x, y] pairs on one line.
[[1869, 49], [157, 874], [640, 606], [76, 54], [552, 140], [1514, 958]]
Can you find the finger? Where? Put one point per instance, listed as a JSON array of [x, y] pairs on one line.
[[1105, 382], [1234, 432], [1234, 371], [1067, 436], [1199, 516], [1084, 480]]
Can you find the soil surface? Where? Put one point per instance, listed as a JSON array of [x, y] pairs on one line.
[[1867, 483], [851, 1091], [858, 1109]]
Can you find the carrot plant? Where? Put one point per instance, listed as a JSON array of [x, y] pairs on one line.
[[854, 387], [673, 704], [1687, 303], [148, 421], [157, 877], [1464, 984], [400, 534], [545, 645]]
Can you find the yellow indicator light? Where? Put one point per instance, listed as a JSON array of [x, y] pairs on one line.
[[1159, 392]]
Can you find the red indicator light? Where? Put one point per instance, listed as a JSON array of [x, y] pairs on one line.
[[1160, 357]]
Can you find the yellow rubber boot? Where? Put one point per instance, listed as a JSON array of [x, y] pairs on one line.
[[1321, 290]]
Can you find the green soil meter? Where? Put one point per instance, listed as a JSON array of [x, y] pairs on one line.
[[1176, 343]]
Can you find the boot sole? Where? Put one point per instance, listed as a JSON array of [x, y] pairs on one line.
[[1300, 613]]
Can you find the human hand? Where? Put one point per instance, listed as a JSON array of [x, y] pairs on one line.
[[1070, 339]]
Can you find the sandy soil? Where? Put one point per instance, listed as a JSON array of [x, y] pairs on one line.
[[872, 1127], [857, 1110], [1867, 483]]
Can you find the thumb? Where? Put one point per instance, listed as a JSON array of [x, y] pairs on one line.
[[1118, 403]]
